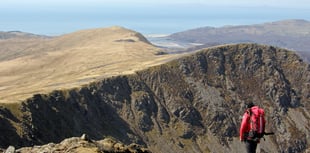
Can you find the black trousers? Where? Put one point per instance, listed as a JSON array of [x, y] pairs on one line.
[[251, 146]]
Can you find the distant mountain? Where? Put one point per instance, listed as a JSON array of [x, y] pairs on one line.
[[16, 44], [290, 34], [19, 35]]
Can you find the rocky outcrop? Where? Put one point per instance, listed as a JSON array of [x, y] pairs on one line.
[[192, 104], [82, 145]]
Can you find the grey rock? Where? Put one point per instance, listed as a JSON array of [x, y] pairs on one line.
[[10, 149]]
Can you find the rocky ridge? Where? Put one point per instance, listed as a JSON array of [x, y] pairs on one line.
[[82, 144], [191, 104]]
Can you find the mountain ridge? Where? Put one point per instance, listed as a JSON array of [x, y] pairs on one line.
[[190, 104], [19, 35], [74, 59]]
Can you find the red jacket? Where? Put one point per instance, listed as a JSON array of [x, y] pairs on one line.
[[245, 124]]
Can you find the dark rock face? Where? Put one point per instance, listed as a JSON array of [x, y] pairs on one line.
[[192, 104]]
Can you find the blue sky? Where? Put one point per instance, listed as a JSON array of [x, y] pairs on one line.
[[273, 3], [55, 17]]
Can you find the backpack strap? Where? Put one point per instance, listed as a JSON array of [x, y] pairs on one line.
[[248, 111], [261, 121]]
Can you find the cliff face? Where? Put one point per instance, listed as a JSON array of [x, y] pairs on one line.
[[192, 104]]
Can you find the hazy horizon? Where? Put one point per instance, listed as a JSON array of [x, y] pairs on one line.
[[148, 17]]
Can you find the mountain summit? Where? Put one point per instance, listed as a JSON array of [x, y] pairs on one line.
[[72, 60]]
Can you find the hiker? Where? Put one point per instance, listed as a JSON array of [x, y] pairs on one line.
[[252, 127]]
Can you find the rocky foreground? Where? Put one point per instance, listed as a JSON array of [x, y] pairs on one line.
[[81, 144]]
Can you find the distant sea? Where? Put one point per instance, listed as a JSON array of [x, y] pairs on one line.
[[146, 20]]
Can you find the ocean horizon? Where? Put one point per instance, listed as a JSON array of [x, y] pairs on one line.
[[148, 21]]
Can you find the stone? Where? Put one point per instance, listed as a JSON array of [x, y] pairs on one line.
[[11, 149], [85, 137]]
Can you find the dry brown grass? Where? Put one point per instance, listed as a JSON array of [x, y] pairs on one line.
[[75, 59]]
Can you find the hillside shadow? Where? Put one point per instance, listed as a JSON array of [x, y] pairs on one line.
[[56, 117], [8, 134]]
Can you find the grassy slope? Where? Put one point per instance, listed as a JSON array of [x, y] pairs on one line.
[[74, 59]]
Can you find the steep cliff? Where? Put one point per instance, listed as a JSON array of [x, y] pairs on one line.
[[191, 104]]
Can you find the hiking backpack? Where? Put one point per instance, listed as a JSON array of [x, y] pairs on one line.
[[257, 123]]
